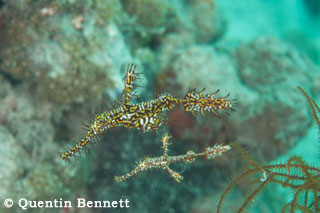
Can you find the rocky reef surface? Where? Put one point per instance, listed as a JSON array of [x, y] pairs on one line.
[[61, 59]]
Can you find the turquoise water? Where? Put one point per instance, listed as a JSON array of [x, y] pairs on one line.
[[66, 71]]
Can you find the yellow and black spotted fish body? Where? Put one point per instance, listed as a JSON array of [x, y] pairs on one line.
[[198, 102]]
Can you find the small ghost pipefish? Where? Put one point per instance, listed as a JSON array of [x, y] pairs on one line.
[[146, 116], [163, 162]]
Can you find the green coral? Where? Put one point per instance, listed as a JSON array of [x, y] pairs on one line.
[[148, 13], [69, 63], [107, 10]]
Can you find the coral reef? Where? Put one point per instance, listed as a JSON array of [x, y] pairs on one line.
[[67, 55], [10, 165], [249, 74], [60, 59], [193, 21], [273, 69], [208, 22], [140, 9], [258, 60], [27, 136]]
